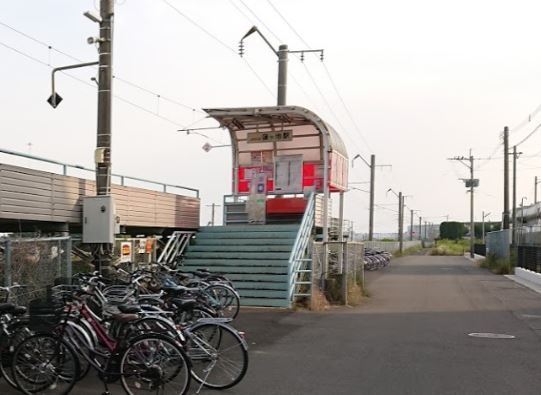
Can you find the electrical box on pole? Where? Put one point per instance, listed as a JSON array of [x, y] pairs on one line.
[[100, 223]]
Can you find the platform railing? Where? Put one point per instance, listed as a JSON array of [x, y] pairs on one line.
[[299, 260], [66, 166]]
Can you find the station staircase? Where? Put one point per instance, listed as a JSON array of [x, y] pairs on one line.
[[255, 257]]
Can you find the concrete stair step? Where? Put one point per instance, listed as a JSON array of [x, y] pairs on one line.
[[258, 293], [264, 302], [247, 235], [236, 248], [236, 255], [242, 242], [250, 228], [264, 285], [204, 262], [257, 270], [249, 277]]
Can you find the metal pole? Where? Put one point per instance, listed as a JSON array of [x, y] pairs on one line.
[[400, 221], [69, 269], [7, 264], [411, 226], [282, 74], [506, 178], [372, 193], [472, 224], [535, 191], [483, 227], [420, 228], [212, 215], [514, 215]]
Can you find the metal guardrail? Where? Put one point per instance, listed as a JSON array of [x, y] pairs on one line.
[[65, 167], [298, 263]]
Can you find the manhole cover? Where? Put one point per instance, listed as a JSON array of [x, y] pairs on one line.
[[492, 335]]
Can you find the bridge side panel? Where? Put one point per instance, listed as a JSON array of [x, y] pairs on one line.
[[33, 195]]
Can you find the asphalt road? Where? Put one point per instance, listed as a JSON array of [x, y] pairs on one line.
[[409, 337]]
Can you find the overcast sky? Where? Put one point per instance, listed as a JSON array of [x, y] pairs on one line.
[[422, 81]]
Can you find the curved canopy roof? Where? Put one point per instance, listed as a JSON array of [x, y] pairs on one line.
[[283, 129]]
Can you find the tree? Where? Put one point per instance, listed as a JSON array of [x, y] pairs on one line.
[[452, 230]]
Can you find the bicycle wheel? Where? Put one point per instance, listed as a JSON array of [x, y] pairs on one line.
[[45, 364], [82, 343], [154, 364], [223, 299], [19, 331], [218, 354]]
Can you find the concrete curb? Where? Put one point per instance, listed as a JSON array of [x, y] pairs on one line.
[[529, 284]]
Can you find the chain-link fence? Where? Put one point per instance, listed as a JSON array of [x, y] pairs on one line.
[[342, 274], [35, 263]]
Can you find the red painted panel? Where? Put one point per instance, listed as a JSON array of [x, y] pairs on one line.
[[286, 206]]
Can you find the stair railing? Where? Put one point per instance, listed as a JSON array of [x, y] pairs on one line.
[[175, 246], [299, 260]]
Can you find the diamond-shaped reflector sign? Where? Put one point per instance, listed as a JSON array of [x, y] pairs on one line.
[[54, 100]]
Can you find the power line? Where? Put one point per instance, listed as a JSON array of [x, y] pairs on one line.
[[529, 135], [132, 84], [123, 99], [526, 121], [215, 38], [329, 76]]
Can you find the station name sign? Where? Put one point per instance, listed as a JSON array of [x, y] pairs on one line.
[[265, 137]]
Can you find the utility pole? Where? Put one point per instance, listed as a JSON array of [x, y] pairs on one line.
[[372, 194], [535, 190], [505, 178], [282, 53], [213, 208], [372, 166], [514, 218], [483, 225], [400, 221], [420, 228], [411, 225], [105, 82], [471, 183]]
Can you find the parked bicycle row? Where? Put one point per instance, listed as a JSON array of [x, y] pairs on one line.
[[375, 259], [154, 330]]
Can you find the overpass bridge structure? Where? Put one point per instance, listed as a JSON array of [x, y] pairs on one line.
[[36, 200]]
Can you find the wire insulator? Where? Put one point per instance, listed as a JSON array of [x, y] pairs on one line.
[[241, 48]]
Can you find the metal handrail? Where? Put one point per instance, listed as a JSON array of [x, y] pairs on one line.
[[65, 167], [302, 240]]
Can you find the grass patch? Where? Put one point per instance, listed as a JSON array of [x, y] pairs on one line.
[[497, 266], [451, 247], [408, 251]]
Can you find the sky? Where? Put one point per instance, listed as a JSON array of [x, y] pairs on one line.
[[414, 83]]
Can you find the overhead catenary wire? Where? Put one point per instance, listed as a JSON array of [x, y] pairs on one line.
[[329, 76], [123, 99], [120, 79], [216, 39]]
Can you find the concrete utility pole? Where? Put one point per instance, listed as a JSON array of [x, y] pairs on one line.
[[514, 218], [420, 228], [505, 178], [400, 221], [483, 225], [472, 183], [412, 212], [282, 53], [372, 166], [372, 194], [105, 82], [535, 190]]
